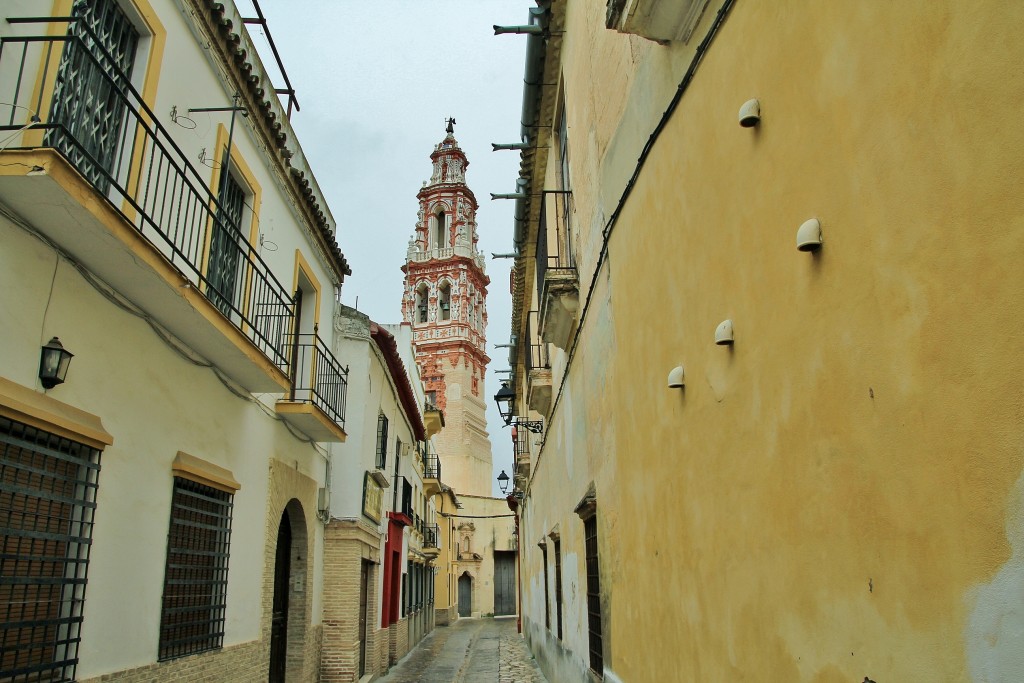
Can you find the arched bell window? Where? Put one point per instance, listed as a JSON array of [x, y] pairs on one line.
[[444, 298], [421, 303], [440, 231]]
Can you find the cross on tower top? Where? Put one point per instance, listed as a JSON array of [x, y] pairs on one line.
[[451, 125]]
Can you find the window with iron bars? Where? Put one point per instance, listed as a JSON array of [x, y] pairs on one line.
[[593, 596], [48, 490], [196, 576], [382, 441]]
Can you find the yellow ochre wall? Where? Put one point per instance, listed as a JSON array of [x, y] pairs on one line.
[[839, 495]]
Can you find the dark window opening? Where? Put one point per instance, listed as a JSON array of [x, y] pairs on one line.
[[382, 441], [593, 596], [558, 588]]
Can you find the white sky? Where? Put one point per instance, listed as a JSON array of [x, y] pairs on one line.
[[376, 80]]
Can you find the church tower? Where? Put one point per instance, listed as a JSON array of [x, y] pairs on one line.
[[445, 301]]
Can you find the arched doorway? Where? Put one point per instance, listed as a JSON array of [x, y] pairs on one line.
[[288, 618], [279, 614], [465, 595]]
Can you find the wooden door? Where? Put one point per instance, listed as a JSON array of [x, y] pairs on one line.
[[504, 583], [279, 617], [364, 581], [465, 596]]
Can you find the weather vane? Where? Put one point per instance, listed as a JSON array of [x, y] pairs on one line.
[[451, 125]]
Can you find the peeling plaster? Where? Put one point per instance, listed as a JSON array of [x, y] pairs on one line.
[[994, 636]]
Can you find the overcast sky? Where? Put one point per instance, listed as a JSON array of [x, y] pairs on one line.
[[375, 81]]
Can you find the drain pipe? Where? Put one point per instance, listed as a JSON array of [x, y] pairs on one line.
[[533, 76]]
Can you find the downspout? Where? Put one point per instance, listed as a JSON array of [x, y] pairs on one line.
[[533, 76]]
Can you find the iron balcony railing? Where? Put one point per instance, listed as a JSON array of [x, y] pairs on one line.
[[431, 533], [537, 358], [318, 377], [522, 443], [554, 241], [89, 112], [431, 466]]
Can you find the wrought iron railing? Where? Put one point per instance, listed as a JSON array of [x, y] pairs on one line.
[[522, 443], [317, 376], [431, 465], [537, 357], [431, 533], [133, 162], [554, 238]]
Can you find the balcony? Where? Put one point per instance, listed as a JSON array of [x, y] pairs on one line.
[[431, 540], [316, 403], [557, 280], [521, 444], [538, 368], [97, 174], [431, 473], [433, 419]]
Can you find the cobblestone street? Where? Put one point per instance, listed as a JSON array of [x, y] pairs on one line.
[[470, 651]]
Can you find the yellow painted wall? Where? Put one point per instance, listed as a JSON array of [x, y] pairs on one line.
[[840, 494]]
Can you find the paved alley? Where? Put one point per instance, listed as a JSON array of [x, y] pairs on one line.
[[469, 651]]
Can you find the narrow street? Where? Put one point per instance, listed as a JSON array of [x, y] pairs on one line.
[[469, 651]]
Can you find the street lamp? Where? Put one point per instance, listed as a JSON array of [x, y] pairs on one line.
[[505, 397], [503, 481]]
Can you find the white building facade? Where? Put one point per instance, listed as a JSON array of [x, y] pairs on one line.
[[162, 508]]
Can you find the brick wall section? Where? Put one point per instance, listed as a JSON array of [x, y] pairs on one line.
[[346, 544], [245, 663]]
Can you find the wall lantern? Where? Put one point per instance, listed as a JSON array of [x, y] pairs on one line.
[[808, 237], [505, 397], [503, 481], [677, 378], [53, 363], [723, 333]]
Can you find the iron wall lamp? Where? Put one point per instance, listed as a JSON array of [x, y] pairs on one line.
[[505, 398], [503, 481], [53, 363]]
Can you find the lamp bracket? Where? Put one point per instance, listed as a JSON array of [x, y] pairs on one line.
[[535, 426]]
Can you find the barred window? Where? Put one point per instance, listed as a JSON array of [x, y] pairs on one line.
[[382, 441], [196, 577], [593, 596], [558, 588], [47, 499]]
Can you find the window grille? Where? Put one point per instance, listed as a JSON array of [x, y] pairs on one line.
[[47, 500], [382, 441], [558, 588], [196, 577], [547, 595], [90, 108], [593, 596], [227, 245]]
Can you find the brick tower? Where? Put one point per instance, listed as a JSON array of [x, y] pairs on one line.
[[445, 301]]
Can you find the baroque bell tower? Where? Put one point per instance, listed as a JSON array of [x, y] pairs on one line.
[[445, 301]]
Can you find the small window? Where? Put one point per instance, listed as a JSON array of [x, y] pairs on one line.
[[196, 576], [382, 441]]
